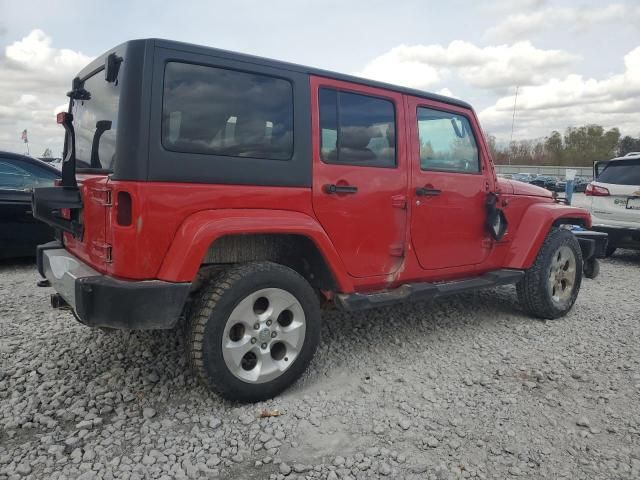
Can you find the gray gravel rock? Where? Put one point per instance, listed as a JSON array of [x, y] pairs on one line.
[[149, 412], [462, 387]]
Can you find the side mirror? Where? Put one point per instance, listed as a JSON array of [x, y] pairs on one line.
[[496, 222]]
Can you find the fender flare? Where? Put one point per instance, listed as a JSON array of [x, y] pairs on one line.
[[533, 228], [198, 231]]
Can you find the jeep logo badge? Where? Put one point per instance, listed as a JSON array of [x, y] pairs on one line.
[[265, 335]]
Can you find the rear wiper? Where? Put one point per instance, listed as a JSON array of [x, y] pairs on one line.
[[78, 91]]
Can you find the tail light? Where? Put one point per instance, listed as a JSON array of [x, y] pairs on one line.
[[123, 205], [596, 191]]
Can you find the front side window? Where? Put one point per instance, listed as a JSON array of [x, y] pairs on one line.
[[446, 142], [356, 129], [217, 111]]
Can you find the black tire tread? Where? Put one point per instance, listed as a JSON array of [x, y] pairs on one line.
[[531, 289], [204, 305]]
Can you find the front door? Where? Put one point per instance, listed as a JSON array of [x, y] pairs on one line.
[[360, 174], [449, 186]]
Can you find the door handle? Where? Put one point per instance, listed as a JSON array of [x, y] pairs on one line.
[[427, 192], [332, 188]]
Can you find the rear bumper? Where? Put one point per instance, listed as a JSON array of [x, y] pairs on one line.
[[101, 301]]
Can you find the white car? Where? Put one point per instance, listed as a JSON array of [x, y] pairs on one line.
[[614, 201]]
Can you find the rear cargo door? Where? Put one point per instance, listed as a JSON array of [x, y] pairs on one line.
[[96, 202]]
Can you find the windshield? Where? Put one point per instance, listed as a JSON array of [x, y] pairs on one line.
[[96, 123], [622, 172]]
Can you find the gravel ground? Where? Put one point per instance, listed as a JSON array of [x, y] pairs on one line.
[[461, 387]]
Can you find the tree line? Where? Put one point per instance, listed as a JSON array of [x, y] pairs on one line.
[[578, 146]]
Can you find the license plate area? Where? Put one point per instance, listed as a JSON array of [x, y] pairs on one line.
[[633, 203]]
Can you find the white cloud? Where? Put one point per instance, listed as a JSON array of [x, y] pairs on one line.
[[520, 25], [511, 5], [492, 67], [573, 100], [446, 92], [34, 79]]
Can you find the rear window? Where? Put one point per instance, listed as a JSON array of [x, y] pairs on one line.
[[356, 129], [623, 172], [96, 122], [217, 111]]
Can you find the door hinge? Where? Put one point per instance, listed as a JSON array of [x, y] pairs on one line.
[[102, 250], [399, 201], [396, 250], [102, 196]]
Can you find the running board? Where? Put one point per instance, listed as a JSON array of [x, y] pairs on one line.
[[424, 291]]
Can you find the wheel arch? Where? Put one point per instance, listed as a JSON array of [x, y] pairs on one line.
[[534, 227], [221, 237]]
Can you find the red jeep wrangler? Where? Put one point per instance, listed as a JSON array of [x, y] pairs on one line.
[[241, 192]]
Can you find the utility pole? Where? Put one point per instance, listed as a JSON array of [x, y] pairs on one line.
[[513, 118]]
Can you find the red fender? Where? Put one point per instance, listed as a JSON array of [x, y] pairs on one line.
[[201, 229], [533, 229]]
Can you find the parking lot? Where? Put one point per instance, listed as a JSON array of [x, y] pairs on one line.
[[465, 387]]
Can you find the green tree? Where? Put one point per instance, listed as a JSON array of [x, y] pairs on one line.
[[628, 144]]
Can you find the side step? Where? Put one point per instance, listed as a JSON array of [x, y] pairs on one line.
[[423, 291]]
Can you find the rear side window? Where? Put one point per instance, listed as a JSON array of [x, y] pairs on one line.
[[624, 172], [356, 129], [218, 111], [446, 142]]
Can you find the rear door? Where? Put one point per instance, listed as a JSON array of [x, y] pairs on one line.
[[448, 186], [359, 173], [622, 179]]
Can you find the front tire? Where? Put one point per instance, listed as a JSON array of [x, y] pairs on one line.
[[550, 287], [253, 331]]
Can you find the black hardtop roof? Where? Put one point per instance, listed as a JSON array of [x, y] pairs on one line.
[[199, 49]]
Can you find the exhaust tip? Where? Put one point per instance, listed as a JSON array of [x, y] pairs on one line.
[[58, 302]]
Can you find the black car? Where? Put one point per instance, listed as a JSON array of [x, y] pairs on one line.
[[545, 181], [580, 184], [20, 233]]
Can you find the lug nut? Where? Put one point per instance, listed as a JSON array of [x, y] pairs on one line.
[[273, 334], [256, 326], [264, 345], [253, 340], [269, 323]]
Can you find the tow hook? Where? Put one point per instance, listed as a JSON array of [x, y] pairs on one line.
[[58, 302], [591, 267]]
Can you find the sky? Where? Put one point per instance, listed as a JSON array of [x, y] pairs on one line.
[[572, 62]]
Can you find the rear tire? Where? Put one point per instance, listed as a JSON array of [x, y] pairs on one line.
[[550, 287], [237, 360]]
